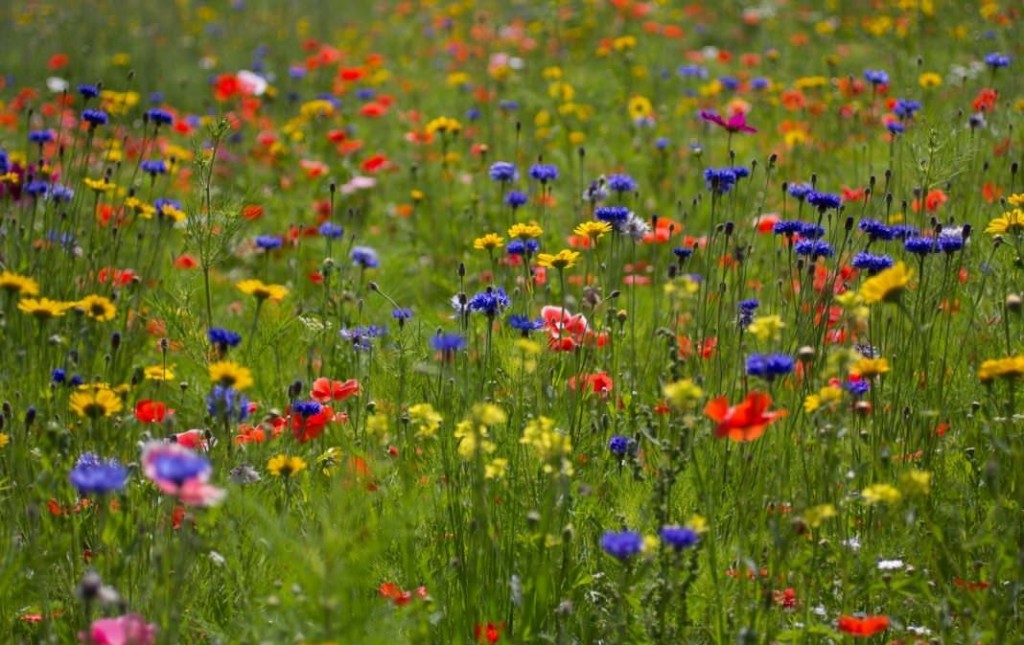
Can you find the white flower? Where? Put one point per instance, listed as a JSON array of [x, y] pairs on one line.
[[852, 543], [890, 565], [254, 83], [56, 84]]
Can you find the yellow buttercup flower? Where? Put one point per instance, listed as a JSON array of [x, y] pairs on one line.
[[682, 394], [916, 482], [496, 468], [525, 231], [444, 125], [816, 515], [928, 80], [99, 185], [262, 291], [888, 285], [488, 242], [4, 439], [1008, 367], [564, 259], [766, 328], [19, 284], [1010, 222], [489, 414], [44, 308], [159, 373], [881, 494], [593, 229], [426, 420], [230, 374], [96, 403], [826, 398], [869, 368], [316, 108], [286, 465], [97, 307], [640, 108]]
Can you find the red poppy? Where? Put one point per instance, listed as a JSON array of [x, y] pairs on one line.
[[985, 101], [598, 383], [325, 390], [395, 593], [865, 627], [185, 261], [489, 633], [58, 61], [308, 428], [744, 421], [148, 411], [931, 202], [192, 439]]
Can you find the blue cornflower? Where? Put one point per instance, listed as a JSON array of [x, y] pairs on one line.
[[490, 302], [692, 71], [543, 172], [789, 228], [729, 83], [364, 257], [857, 388], [614, 215], [361, 337], [824, 201], [769, 366], [919, 245], [331, 230], [814, 248], [160, 203], [662, 142], [906, 108], [871, 263], [503, 171], [720, 180], [365, 94], [447, 343], [515, 199], [472, 114], [800, 191], [522, 247], [401, 314], [222, 338], [227, 403], [268, 242], [40, 136], [876, 77], [747, 309], [75, 381], [741, 172], [996, 60], [58, 375], [37, 188], [61, 193], [622, 545], [620, 446], [596, 192], [895, 127], [759, 83], [876, 230], [94, 476], [811, 231], [156, 97], [88, 91], [306, 409], [903, 231], [159, 116], [179, 467], [95, 117], [679, 537], [621, 184], [508, 105], [951, 239], [682, 252], [154, 167], [524, 324]]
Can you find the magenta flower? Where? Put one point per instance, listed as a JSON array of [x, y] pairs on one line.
[[130, 629], [736, 123]]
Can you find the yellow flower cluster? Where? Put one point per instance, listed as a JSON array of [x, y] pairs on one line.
[[550, 445], [1008, 367]]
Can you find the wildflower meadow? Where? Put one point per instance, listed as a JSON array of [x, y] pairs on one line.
[[553, 321]]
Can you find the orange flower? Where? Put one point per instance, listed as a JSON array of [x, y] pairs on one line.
[[931, 202], [325, 390], [864, 627], [745, 421]]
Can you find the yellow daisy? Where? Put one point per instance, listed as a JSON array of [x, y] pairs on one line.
[[96, 403], [44, 308], [525, 231], [1009, 222], [593, 230], [564, 259], [262, 291], [488, 242], [230, 374], [19, 284], [888, 285], [159, 373], [97, 307], [286, 465]]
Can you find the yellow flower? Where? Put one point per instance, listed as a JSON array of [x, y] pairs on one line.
[[488, 242], [158, 373], [262, 291], [561, 91], [174, 214], [488, 414], [97, 307], [816, 515], [19, 284], [593, 229], [1016, 200], [682, 394], [827, 397], [1008, 367], [99, 185], [888, 285], [426, 419], [547, 441], [329, 460], [96, 403], [140, 208], [443, 125], [316, 108], [44, 308], [928, 80], [869, 368], [4, 439], [916, 482], [564, 259], [230, 374], [640, 108], [378, 426], [766, 328], [697, 524], [1009, 222], [552, 73], [472, 437], [525, 231], [881, 494], [496, 469], [286, 465], [624, 43]]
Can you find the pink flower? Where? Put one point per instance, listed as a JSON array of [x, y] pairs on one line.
[[178, 471], [736, 123], [130, 629]]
